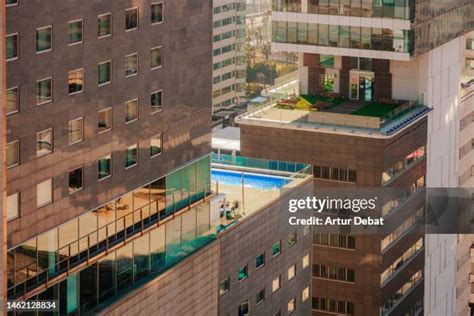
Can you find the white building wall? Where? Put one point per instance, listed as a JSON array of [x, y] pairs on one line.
[[234, 67], [439, 82]]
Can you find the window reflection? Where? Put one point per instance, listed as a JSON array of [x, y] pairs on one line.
[[89, 234], [151, 253], [68, 236], [107, 284], [124, 266], [343, 36]]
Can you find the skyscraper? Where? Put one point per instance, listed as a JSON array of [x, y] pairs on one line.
[[228, 77], [108, 134], [380, 84]]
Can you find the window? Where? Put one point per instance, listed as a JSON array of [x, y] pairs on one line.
[[333, 273], [75, 180], [76, 81], [156, 57], [260, 297], [155, 145], [104, 73], [336, 174], [243, 273], [44, 193], [13, 206], [276, 284], [291, 272], [9, 3], [131, 19], [75, 32], [131, 110], [224, 286], [131, 156], [470, 44], [12, 98], [13, 153], [156, 101], [305, 294], [76, 128], [291, 305], [104, 165], [276, 249], [44, 39], [333, 306], [44, 89], [305, 261], [291, 239], [156, 13], [131, 65], [105, 120], [243, 309], [260, 261], [105, 25], [334, 240], [44, 142], [11, 45]]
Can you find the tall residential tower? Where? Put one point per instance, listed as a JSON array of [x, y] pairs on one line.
[[380, 84]]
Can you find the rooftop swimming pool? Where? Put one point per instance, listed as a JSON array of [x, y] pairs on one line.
[[252, 180]]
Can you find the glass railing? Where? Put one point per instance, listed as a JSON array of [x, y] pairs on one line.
[[247, 185], [403, 229], [136, 262], [399, 167], [48, 263], [402, 197], [403, 292], [256, 163], [402, 261]]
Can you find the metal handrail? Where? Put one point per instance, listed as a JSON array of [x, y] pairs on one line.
[[74, 258]]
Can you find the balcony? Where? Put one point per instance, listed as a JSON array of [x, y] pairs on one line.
[[382, 118]]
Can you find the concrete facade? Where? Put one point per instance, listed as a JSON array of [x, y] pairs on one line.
[[3, 200], [239, 246], [190, 288], [184, 120], [369, 157]]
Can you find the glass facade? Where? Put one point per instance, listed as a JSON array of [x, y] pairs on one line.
[[396, 9], [80, 239], [341, 36], [146, 257], [442, 21]]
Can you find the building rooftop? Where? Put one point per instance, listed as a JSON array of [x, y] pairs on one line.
[[247, 185], [334, 114], [226, 139]]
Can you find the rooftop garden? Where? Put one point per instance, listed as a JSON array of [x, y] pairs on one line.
[[310, 102], [338, 104], [376, 109]]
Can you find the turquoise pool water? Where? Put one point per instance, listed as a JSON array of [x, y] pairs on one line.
[[252, 180]]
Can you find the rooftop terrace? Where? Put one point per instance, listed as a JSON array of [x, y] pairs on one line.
[[336, 114], [248, 185]]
